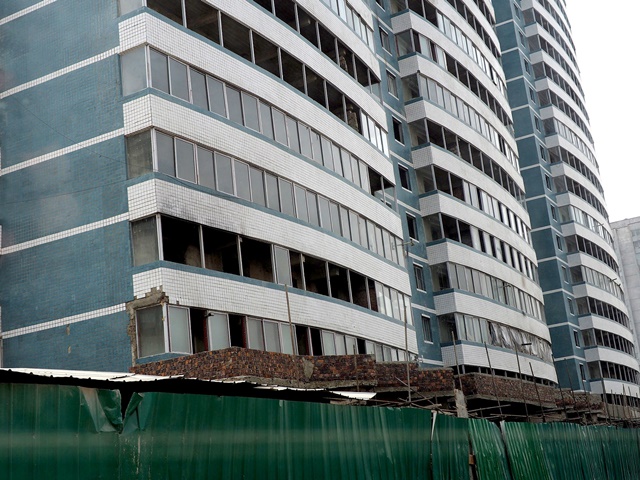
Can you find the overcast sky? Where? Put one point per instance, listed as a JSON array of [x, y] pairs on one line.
[[606, 40]]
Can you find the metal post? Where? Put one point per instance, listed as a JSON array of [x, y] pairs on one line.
[[588, 395], [535, 384], [406, 349], [524, 400], [604, 399], [455, 353], [286, 294], [493, 380]]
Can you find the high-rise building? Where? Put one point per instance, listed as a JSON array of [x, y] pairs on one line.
[[625, 235], [310, 177], [579, 272]]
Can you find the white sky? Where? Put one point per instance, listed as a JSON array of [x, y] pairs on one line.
[[606, 39]]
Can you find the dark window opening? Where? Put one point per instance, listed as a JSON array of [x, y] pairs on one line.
[[181, 242], [256, 260], [339, 281], [266, 54], [315, 275], [203, 19], [221, 251], [169, 8], [236, 37]]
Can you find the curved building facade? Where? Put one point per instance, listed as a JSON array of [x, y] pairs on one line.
[[407, 179], [593, 343], [471, 194]]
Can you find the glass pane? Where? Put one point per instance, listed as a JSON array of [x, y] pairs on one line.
[[179, 338], [218, 329], [179, 81], [134, 71], [283, 267], [206, 176], [139, 154], [292, 130], [265, 118], [327, 155], [279, 126], [335, 218], [287, 345], [286, 197], [164, 154], [150, 330], [272, 337], [340, 346], [257, 186], [185, 162], [145, 241], [216, 96], [159, 71], [305, 140], [234, 104], [242, 180], [312, 204], [256, 339], [250, 109], [325, 214], [273, 199], [328, 345], [223, 174], [315, 145], [301, 203], [199, 89]]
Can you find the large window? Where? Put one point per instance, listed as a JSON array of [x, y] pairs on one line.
[[176, 329], [185, 160], [245, 109], [254, 48], [239, 255]]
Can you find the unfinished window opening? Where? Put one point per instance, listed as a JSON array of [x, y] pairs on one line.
[[335, 101], [303, 340], [181, 242], [339, 281], [266, 54], [150, 331], [286, 11], [139, 154], [203, 19], [315, 275], [315, 87], [292, 71], [256, 260], [199, 335], [221, 251], [235, 37], [145, 241], [327, 43], [359, 289], [316, 341], [238, 331], [168, 8], [308, 27]]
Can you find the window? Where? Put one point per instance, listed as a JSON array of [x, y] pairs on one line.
[[384, 39], [397, 131], [547, 182], [559, 242], [404, 177], [576, 338], [412, 226], [571, 309], [426, 329], [582, 373], [554, 213], [419, 276], [392, 85]]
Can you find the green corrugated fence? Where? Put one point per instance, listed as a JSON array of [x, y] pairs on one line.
[[50, 431]]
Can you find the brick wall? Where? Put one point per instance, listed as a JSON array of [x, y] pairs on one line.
[[295, 370]]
